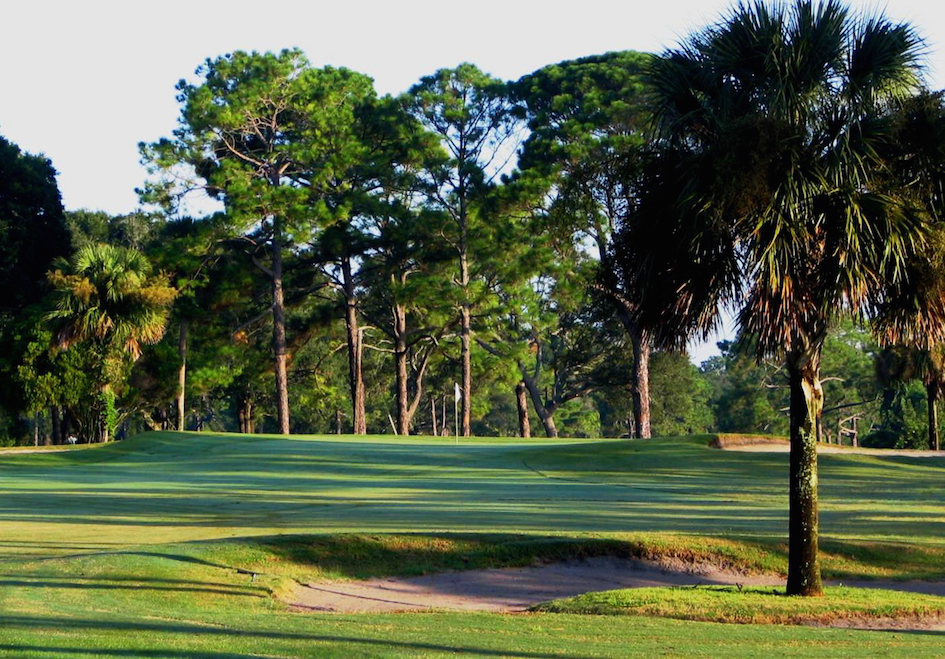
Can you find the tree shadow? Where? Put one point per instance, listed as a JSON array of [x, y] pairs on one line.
[[89, 626]]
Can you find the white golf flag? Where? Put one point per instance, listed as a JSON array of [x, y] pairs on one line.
[[456, 393]]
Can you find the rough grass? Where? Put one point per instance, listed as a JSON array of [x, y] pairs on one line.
[[755, 605]]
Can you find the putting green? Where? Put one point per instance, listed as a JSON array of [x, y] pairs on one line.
[[169, 487]]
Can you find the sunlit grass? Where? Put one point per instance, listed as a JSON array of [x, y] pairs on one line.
[[755, 605], [174, 544]]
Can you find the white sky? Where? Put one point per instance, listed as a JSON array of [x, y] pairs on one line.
[[84, 81]]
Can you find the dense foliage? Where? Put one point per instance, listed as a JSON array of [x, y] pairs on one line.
[[482, 256]]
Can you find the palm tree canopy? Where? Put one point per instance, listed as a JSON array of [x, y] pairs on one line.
[[766, 193], [108, 294]]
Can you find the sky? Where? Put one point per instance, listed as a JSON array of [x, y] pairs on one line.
[[85, 82]]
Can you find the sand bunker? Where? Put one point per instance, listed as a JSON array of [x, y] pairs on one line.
[[508, 589], [753, 444], [516, 589], [512, 590]]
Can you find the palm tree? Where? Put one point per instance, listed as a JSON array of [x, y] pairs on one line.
[[763, 197], [931, 363], [916, 154], [898, 364], [107, 299]]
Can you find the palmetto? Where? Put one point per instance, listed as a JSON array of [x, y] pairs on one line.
[[107, 298], [763, 197]]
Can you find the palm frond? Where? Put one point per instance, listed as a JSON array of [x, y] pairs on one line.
[[107, 294]]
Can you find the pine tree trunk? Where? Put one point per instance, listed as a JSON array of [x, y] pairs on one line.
[[444, 422], [545, 412], [66, 425], [355, 374], [806, 403], [466, 308], [57, 437], [465, 413], [400, 356], [278, 331], [524, 426], [932, 392], [182, 377], [244, 414], [641, 384]]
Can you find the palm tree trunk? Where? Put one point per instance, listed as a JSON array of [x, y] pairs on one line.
[[355, 374], [524, 426], [433, 415], [932, 393], [641, 384], [182, 377], [278, 331], [806, 402]]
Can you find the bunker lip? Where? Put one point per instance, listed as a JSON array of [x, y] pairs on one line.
[[905, 624], [515, 590]]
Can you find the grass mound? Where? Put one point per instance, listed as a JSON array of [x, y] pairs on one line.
[[756, 605]]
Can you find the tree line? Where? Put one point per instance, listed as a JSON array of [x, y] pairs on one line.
[[456, 231], [541, 243]]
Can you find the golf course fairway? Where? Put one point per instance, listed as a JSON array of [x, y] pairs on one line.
[[179, 544]]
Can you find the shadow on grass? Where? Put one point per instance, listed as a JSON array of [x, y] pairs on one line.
[[59, 625], [229, 482], [360, 556], [141, 585], [60, 651], [53, 580]]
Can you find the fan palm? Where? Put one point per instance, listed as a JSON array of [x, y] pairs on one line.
[[917, 164], [763, 197], [899, 364], [107, 298]]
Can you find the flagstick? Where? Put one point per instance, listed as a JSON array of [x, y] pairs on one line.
[[456, 395]]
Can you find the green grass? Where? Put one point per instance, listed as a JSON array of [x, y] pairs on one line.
[[168, 488], [753, 605], [148, 547], [538, 636]]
